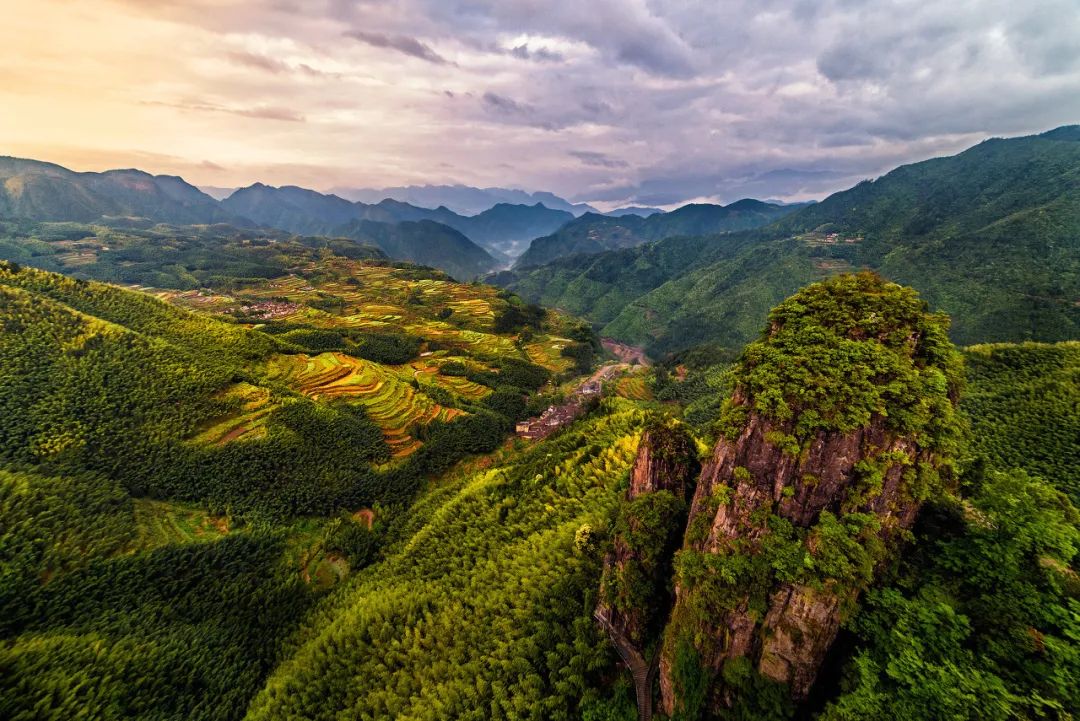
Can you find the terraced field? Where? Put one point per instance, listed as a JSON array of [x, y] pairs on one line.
[[247, 423], [547, 352], [448, 318], [426, 370], [633, 387], [340, 293], [385, 392], [470, 341], [161, 523]]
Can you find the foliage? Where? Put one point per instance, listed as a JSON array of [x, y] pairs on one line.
[[843, 351], [1021, 400], [90, 629], [518, 316], [982, 618], [987, 236], [648, 530], [483, 610]]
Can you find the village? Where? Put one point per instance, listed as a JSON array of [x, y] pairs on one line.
[[557, 417]]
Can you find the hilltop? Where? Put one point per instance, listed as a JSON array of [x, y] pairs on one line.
[[33, 190]]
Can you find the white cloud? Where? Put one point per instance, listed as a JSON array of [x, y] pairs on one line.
[[649, 101]]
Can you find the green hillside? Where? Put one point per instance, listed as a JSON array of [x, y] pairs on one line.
[[33, 190], [483, 609], [425, 242], [507, 229], [200, 408], [185, 257], [593, 233], [989, 236], [474, 601]]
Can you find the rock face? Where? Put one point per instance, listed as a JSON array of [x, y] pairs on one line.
[[634, 597], [637, 567], [666, 461], [805, 495]]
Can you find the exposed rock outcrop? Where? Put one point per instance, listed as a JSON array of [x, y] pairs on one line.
[[635, 596], [840, 426]]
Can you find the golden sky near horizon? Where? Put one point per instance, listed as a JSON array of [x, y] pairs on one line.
[[612, 101], [95, 85]]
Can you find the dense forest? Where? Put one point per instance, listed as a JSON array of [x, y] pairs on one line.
[[132, 557], [255, 474], [987, 236], [595, 233]]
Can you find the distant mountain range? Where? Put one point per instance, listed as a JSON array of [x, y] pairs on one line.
[[593, 233], [501, 230], [34, 190], [31, 190], [990, 236], [636, 210], [463, 245], [462, 199]]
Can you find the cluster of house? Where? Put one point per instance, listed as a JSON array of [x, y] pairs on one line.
[[835, 238], [269, 310], [556, 417]]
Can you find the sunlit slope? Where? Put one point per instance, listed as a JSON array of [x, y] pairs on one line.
[[189, 406], [468, 617]]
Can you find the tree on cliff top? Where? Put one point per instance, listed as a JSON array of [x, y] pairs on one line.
[[839, 352]]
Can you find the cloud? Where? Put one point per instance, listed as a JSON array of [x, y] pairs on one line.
[[401, 43], [597, 160], [542, 54], [621, 101], [503, 104], [274, 65], [262, 112]]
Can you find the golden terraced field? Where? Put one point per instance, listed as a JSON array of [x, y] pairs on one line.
[[384, 391]]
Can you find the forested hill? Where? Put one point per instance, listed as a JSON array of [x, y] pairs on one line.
[[184, 257], [425, 242], [32, 190], [477, 600], [989, 236], [506, 228], [286, 420], [593, 233]]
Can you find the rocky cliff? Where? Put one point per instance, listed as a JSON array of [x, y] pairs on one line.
[[634, 596], [635, 592], [841, 424]]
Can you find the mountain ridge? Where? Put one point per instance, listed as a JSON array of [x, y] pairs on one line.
[[987, 235], [595, 233]]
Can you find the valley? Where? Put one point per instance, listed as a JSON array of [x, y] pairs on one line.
[[792, 461]]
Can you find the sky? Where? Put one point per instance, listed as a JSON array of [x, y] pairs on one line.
[[648, 102]]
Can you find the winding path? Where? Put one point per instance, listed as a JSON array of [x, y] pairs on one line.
[[642, 672]]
